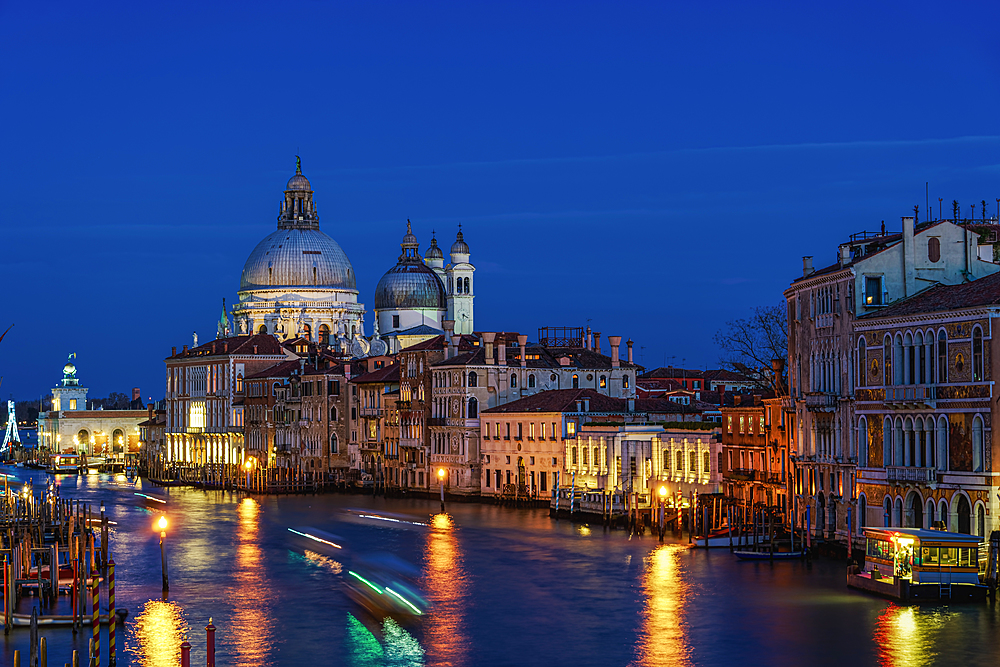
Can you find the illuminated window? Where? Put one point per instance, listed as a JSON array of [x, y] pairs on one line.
[[604, 381], [72, 404], [196, 415], [624, 382], [576, 381], [571, 428]]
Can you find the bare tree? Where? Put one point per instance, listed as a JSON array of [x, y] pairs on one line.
[[750, 344]]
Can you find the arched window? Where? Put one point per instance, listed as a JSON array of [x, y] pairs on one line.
[[692, 462], [977, 355], [887, 361], [513, 381], [324, 334], [307, 331], [274, 388], [942, 443], [239, 383], [862, 362], [531, 380], [466, 285], [573, 454], [942, 355], [934, 248], [863, 442], [624, 382], [929, 513], [977, 444], [887, 442], [333, 414], [964, 515], [706, 463], [576, 381], [334, 443], [980, 521], [474, 379], [604, 381], [887, 512], [473, 408], [262, 329]]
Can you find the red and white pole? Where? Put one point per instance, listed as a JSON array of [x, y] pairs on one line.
[[96, 620]]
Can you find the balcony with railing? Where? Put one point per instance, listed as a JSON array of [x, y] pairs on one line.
[[370, 412], [908, 474], [821, 402], [911, 396], [741, 474]]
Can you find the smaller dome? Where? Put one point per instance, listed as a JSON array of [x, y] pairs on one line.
[[410, 285], [409, 238], [69, 368], [460, 246], [434, 252], [298, 181]]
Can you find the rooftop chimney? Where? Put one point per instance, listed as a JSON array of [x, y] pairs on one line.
[[778, 367], [845, 255], [597, 342], [631, 405], [173, 351], [184, 349], [149, 410], [614, 342], [522, 342], [590, 339], [629, 343], [807, 266], [488, 338], [456, 341], [255, 349], [502, 352], [135, 394], [586, 404]]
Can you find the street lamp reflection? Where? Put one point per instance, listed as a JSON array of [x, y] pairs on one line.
[[662, 633], [159, 630], [447, 589], [252, 594], [902, 638]]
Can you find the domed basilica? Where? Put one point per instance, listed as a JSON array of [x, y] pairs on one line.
[[298, 282]]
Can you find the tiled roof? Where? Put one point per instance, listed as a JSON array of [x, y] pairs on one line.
[[437, 343], [937, 298], [723, 375], [385, 374], [282, 370], [669, 373], [267, 345], [562, 400]]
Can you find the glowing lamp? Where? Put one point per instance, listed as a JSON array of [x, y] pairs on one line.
[[441, 473], [162, 523], [663, 492]]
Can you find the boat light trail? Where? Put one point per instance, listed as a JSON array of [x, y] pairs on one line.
[[362, 579], [143, 495], [385, 518], [403, 600], [313, 537]]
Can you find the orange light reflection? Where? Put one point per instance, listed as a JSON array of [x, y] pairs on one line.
[[159, 629], [662, 639], [252, 596], [902, 637], [447, 587]]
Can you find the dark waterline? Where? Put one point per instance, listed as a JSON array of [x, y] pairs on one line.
[[509, 587]]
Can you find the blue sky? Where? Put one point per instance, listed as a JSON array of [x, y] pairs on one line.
[[654, 168]]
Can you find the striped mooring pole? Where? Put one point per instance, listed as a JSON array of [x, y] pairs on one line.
[[112, 658], [97, 620]]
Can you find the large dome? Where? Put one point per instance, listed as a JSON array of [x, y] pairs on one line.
[[294, 258], [409, 285]]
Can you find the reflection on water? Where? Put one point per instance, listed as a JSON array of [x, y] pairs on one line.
[[904, 636], [447, 587], [252, 596], [321, 561], [662, 639], [398, 647], [159, 630]]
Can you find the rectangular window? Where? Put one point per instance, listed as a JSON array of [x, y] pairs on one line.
[[873, 290], [571, 428], [395, 321], [542, 481], [741, 423], [519, 430], [666, 461], [730, 423], [487, 477], [554, 431], [531, 460], [508, 477]]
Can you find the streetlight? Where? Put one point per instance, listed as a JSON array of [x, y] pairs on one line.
[[441, 477], [248, 464], [663, 501], [162, 525]]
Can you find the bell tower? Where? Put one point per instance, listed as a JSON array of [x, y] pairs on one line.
[[459, 285]]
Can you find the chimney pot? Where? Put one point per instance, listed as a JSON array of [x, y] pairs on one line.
[[597, 342], [502, 351], [590, 339], [629, 343], [173, 351], [488, 338], [807, 266], [615, 342], [184, 349], [522, 342]]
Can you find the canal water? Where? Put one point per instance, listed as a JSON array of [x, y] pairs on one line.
[[508, 587]]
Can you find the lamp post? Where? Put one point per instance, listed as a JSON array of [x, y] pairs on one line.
[[441, 478], [663, 502], [248, 465], [162, 525]]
